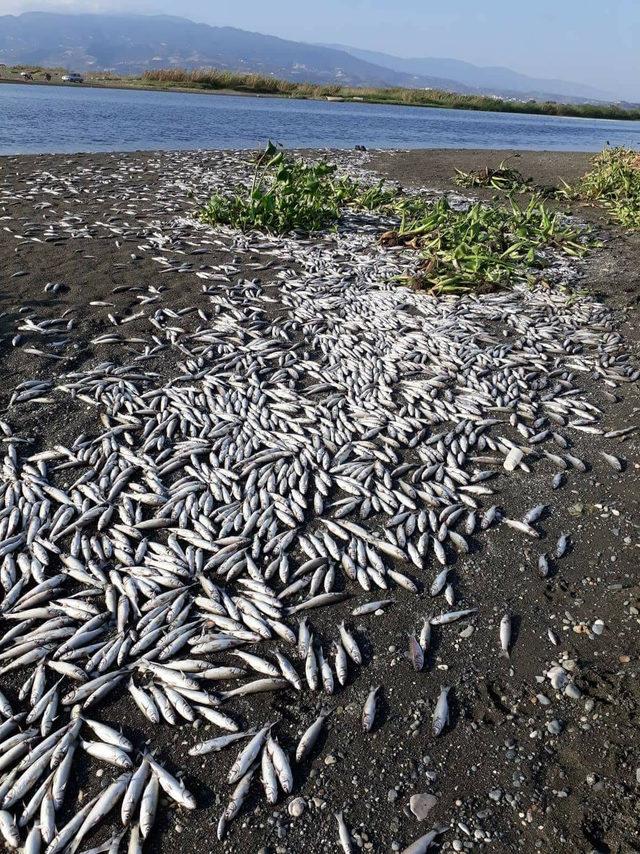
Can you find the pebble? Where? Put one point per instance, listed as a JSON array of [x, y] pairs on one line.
[[296, 807], [422, 804]]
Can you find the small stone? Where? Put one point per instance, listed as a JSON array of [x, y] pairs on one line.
[[573, 691], [495, 794], [297, 807], [598, 627], [555, 727], [422, 804], [330, 759], [558, 677], [392, 795], [457, 845]]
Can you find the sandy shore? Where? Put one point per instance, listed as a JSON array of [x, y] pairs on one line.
[[497, 769]]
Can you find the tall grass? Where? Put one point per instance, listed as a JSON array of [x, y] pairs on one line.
[[212, 78], [263, 84]]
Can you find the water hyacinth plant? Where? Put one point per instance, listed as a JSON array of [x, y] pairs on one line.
[[482, 247], [503, 178], [287, 194], [613, 182]]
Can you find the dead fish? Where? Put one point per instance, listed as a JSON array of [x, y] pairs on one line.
[[451, 616], [441, 712], [616, 463], [523, 527], [309, 737], [247, 755], [543, 565], [9, 829], [534, 514], [372, 607], [439, 582], [505, 634], [213, 745], [513, 459], [369, 710], [343, 834], [425, 635], [340, 662], [562, 545], [350, 644], [421, 845], [415, 653]]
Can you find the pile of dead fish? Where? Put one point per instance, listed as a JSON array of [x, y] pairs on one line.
[[325, 437]]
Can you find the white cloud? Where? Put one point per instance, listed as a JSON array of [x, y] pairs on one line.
[[16, 7]]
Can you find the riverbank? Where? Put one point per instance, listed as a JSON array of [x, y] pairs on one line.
[[213, 81], [199, 320]]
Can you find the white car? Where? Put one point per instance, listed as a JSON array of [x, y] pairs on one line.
[[72, 78]]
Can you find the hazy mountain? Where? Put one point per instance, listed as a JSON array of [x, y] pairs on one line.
[[134, 43], [494, 79], [128, 44]]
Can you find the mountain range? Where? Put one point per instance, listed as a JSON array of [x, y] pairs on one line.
[[494, 79], [131, 44]]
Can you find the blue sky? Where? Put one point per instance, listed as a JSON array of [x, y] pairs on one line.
[[589, 41]]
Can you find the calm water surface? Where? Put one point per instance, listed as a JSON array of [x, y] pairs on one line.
[[35, 119]]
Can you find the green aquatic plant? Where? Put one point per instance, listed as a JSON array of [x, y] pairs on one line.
[[288, 194], [613, 182], [504, 178], [484, 247], [477, 248]]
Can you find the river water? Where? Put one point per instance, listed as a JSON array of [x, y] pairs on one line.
[[36, 119]]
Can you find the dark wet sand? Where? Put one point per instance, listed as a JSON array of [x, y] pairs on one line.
[[545, 799]]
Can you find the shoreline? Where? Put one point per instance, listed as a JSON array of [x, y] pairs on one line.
[[573, 161], [404, 165], [142, 88], [508, 108]]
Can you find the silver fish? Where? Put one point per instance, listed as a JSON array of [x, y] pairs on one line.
[[441, 712]]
